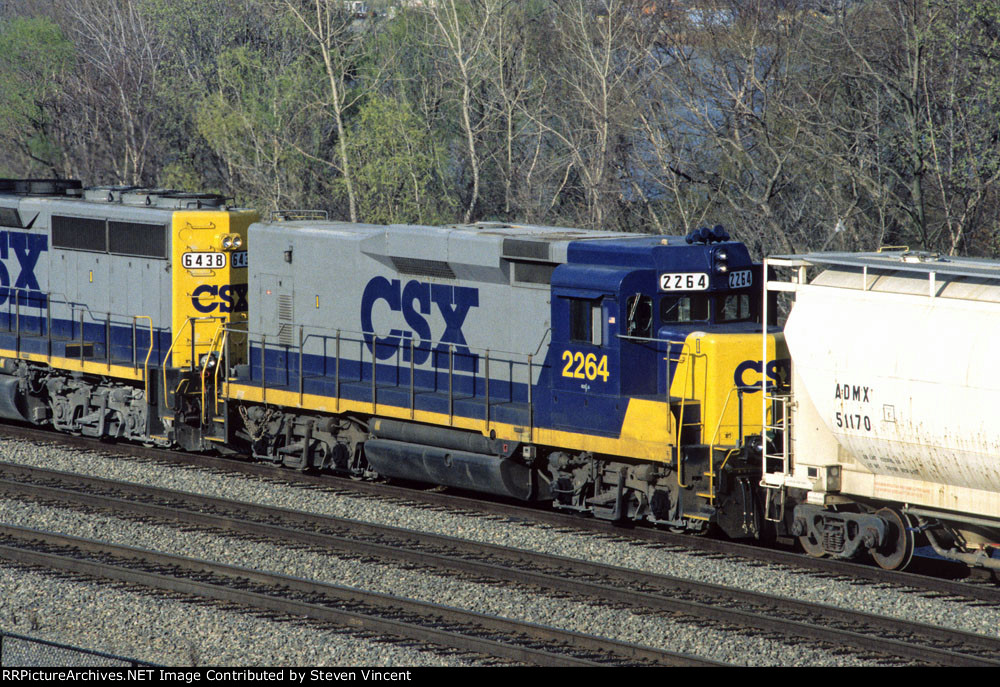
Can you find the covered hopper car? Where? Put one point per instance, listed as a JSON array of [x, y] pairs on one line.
[[888, 437]]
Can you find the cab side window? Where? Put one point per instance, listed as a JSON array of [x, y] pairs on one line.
[[684, 308], [585, 321], [639, 316]]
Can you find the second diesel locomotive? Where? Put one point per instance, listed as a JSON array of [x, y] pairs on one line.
[[110, 302], [618, 375], [614, 374]]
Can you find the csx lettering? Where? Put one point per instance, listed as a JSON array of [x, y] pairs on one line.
[[231, 298], [27, 248], [848, 392], [778, 372], [414, 301]]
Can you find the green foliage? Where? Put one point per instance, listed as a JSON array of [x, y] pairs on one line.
[[200, 35], [34, 59], [395, 161], [184, 174], [259, 124]]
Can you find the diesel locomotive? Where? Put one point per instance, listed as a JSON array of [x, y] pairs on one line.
[[614, 374], [617, 375]]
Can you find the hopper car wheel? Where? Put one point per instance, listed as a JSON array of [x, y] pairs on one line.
[[811, 546], [897, 552]]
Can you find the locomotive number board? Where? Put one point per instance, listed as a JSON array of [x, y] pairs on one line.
[[740, 279], [195, 261], [684, 281]]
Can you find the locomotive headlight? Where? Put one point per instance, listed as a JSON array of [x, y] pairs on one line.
[[237, 241], [227, 242], [721, 259]]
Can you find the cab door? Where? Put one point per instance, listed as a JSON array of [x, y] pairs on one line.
[[585, 367]]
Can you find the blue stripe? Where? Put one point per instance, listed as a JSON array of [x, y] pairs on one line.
[[28, 334]]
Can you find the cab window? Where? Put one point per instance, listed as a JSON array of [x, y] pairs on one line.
[[692, 308], [585, 321], [734, 307], [639, 316]]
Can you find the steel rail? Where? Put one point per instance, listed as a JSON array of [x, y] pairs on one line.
[[564, 647], [561, 574], [989, 593]]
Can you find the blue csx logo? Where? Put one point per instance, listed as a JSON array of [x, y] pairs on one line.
[[414, 301], [27, 248], [747, 374], [225, 298]]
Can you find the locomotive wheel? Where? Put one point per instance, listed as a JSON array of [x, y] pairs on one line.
[[897, 552]]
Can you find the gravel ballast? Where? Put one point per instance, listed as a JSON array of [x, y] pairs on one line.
[[86, 614]]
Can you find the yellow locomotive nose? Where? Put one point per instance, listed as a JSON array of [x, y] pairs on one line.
[[722, 374], [209, 286]]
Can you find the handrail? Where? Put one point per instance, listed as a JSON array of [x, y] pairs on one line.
[[110, 317], [546, 333], [782, 426], [689, 381], [189, 321], [145, 364], [488, 356], [221, 364], [216, 337], [680, 413], [685, 352], [712, 447]]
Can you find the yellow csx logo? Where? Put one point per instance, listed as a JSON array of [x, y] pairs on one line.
[[224, 298]]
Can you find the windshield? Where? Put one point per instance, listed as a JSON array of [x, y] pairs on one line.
[[734, 307], [692, 308], [720, 308]]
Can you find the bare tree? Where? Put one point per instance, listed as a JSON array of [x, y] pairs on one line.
[[330, 26], [463, 29], [122, 54]]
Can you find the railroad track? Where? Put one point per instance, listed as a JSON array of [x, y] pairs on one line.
[[371, 612], [795, 621], [985, 592]]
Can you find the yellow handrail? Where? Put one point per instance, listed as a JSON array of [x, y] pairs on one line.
[[688, 382], [189, 321], [712, 447], [219, 365], [204, 368]]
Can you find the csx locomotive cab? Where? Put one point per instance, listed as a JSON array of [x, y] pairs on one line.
[[656, 343]]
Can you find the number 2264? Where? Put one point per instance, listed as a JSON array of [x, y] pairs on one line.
[[580, 366]]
